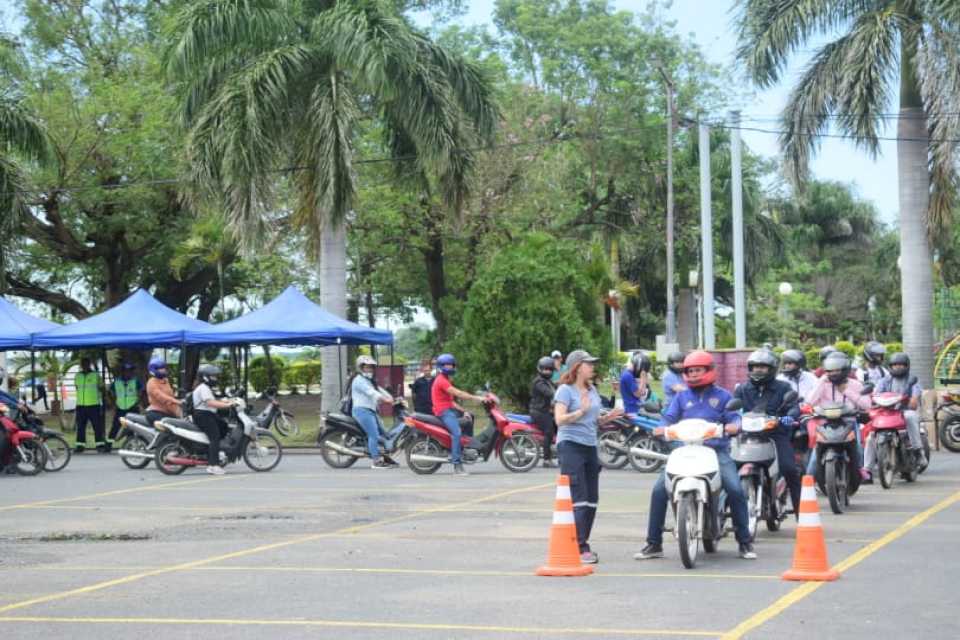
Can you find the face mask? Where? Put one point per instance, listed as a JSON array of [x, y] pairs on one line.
[[160, 374], [368, 375], [546, 374], [449, 372]]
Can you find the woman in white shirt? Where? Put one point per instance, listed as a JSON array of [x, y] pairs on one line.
[[205, 406]]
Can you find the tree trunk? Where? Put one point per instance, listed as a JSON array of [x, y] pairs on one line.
[[916, 272], [436, 277], [333, 298]]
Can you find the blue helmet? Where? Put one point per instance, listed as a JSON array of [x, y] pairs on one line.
[[156, 364], [447, 364]]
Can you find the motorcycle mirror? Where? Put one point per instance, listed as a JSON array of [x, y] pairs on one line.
[[790, 397], [867, 389], [735, 404], [651, 406]]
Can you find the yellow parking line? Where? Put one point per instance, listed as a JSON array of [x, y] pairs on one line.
[[250, 551], [351, 624], [117, 492], [801, 592]]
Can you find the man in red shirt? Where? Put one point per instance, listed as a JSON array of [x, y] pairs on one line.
[[444, 395]]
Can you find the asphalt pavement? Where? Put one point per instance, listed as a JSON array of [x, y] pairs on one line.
[[101, 551]]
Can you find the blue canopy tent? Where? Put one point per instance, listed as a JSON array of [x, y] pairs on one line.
[[18, 328]]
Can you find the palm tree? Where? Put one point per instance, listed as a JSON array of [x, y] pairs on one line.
[[850, 82], [269, 84]]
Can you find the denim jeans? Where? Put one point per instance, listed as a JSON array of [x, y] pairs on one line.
[[730, 480], [451, 420], [582, 465], [370, 422], [788, 466]]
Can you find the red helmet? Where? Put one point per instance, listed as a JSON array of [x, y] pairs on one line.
[[699, 359]]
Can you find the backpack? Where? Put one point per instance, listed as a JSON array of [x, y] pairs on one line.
[[346, 402]]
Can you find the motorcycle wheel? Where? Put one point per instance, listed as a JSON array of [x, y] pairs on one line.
[[346, 439], [33, 460], [834, 472], [520, 453], [424, 447], [926, 453], [687, 531], [641, 464], [264, 453], [286, 425], [610, 458], [909, 465], [753, 509], [950, 434], [167, 450], [778, 506], [57, 452], [135, 443], [887, 463]]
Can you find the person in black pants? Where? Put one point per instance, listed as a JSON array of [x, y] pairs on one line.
[[541, 406], [205, 407]]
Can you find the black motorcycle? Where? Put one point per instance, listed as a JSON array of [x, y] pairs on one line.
[[838, 465], [343, 441]]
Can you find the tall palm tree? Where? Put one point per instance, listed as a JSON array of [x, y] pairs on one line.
[[850, 82], [269, 84]]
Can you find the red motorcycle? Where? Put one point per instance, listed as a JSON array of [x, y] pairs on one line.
[[516, 444], [26, 453], [887, 428]]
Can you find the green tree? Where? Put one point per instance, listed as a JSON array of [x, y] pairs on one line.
[[268, 84], [849, 83]]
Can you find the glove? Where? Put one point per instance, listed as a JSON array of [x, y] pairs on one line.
[[787, 421]]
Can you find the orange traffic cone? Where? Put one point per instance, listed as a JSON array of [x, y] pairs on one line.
[[810, 555], [563, 556]]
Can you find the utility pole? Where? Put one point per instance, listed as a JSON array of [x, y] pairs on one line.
[[706, 237], [736, 187], [671, 303]]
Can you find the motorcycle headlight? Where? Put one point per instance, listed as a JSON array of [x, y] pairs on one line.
[[833, 413]]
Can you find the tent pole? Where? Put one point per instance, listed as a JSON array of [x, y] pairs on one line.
[[246, 356], [398, 392], [33, 376], [340, 365], [183, 367]]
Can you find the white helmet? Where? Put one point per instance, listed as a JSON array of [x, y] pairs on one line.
[[365, 361]]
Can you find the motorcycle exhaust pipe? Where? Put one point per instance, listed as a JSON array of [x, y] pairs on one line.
[[126, 453], [622, 448], [419, 457], [648, 454], [339, 448]]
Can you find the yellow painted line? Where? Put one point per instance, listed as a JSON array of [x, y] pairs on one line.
[[357, 624], [801, 592], [117, 492], [183, 566]]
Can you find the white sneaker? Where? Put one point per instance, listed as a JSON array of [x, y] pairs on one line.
[[215, 471]]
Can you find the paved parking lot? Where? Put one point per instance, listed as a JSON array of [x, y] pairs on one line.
[[100, 551]]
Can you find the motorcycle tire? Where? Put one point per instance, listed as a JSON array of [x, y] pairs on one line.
[[35, 460], [168, 449], [949, 432], [753, 509], [57, 451], [886, 463], [256, 459], [343, 438], [135, 443], [778, 507], [834, 471], [611, 458], [520, 453], [909, 465], [641, 464], [424, 446], [286, 425], [926, 453], [687, 530]]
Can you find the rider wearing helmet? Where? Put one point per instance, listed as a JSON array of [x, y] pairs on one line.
[[765, 394], [205, 406], [673, 377], [444, 396], [558, 366], [366, 397], [824, 352], [873, 369], [542, 391], [793, 371], [635, 383], [161, 401], [836, 386], [899, 382], [705, 400]]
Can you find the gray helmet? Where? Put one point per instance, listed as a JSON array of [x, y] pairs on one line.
[[209, 373], [762, 358], [826, 351], [874, 351], [545, 364], [639, 362], [899, 365], [796, 357], [675, 361], [365, 361], [837, 367]]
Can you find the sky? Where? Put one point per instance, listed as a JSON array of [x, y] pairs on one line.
[[710, 24]]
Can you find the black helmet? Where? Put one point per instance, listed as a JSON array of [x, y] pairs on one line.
[[639, 362], [837, 367], [546, 365], [675, 361], [767, 360], [826, 351], [874, 352], [899, 365], [209, 373], [794, 356]]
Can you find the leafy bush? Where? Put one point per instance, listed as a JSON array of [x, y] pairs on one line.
[[519, 308], [848, 348], [813, 357], [302, 373], [260, 376], [893, 347]]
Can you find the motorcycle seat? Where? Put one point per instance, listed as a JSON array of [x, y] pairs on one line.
[[519, 417], [182, 424], [428, 419], [138, 418]]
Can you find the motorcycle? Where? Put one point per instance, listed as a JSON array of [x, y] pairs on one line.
[[26, 453], [887, 429], [756, 456], [274, 415], [947, 416], [838, 466], [516, 444], [184, 445], [804, 439], [343, 441], [55, 446], [140, 440], [623, 440], [524, 419]]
